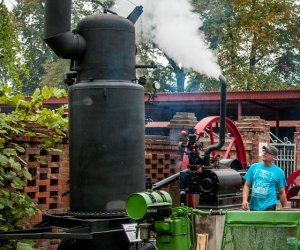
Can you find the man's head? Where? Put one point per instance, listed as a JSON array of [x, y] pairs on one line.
[[269, 153]]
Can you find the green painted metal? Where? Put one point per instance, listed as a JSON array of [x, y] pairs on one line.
[[264, 230], [137, 204], [293, 243], [173, 233], [263, 217]]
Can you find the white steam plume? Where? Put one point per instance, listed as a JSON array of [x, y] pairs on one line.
[[176, 32]]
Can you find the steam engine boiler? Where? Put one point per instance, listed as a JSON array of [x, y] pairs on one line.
[[106, 113], [106, 109]]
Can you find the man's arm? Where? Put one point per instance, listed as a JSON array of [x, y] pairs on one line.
[[246, 191], [282, 197]]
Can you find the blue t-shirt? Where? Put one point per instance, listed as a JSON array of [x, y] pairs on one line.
[[265, 181]]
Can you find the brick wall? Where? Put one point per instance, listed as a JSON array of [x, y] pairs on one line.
[[253, 131], [162, 159], [50, 174]]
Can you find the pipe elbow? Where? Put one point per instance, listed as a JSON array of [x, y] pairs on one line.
[[221, 143], [67, 45], [222, 79]]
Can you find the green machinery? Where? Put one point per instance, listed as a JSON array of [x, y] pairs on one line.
[[174, 228]]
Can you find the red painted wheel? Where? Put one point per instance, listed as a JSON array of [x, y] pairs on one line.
[[293, 185], [206, 125]]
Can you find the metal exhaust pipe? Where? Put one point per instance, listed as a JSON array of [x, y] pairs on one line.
[[222, 122], [57, 32]]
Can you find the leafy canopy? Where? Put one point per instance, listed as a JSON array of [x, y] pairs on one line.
[[11, 63]]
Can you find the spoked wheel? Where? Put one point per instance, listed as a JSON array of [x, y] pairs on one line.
[[293, 185], [205, 127]]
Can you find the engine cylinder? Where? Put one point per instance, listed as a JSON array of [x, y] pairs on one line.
[[215, 182], [106, 145]]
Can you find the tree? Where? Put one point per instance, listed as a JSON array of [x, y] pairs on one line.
[[258, 41], [28, 19], [10, 65], [149, 54], [45, 68]]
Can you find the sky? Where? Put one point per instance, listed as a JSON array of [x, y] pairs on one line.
[[9, 3]]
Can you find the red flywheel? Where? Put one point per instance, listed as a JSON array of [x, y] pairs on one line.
[[206, 125], [293, 185]]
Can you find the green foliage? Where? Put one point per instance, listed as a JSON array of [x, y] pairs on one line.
[[148, 54], [19, 245], [28, 20], [27, 119], [11, 66], [55, 73]]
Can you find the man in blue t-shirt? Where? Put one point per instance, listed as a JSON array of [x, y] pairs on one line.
[[265, 179]]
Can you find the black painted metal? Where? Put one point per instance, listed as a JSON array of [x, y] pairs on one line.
[[57, 30], [110, 49], [218, 181], [222, 124], [167, 181], [135, 14], [217, 188], [77, 233], [231, 163], [106, 145], [106, 108]]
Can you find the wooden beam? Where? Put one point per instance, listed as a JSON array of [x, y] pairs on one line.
[[202, 242]]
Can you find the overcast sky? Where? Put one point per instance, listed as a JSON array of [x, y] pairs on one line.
[[9, 3]]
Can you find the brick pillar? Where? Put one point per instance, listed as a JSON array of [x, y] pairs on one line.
[[297, 142], [162, 159], [181, 121], [254, 130]]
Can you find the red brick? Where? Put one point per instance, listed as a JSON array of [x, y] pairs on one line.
[[43, 170], [53, 188], [51, 200], [43, 207], [43, 182], [31, 189], [43, 195], [32, 151], [54, 164], [34, 164]]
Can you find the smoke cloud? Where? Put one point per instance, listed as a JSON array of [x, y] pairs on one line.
[[175, 29]]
